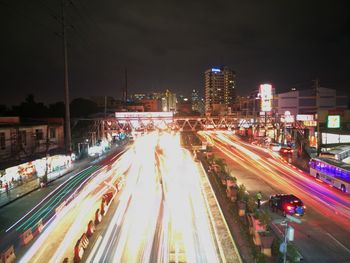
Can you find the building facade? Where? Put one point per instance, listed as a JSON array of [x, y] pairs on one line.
[[310, 101], [151, 105], [24, 140], [195, 100], [169, 101], [219, 86]]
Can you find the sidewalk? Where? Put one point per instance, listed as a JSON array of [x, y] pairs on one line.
[[34, 184], [243, 246], [29, 186]]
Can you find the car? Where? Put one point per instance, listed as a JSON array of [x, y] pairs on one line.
[[286, 150], [288, 204], [275, 147]]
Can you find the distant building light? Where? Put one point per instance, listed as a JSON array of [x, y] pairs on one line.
[[215, 70]]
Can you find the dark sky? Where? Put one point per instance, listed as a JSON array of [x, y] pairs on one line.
[[169, 44]]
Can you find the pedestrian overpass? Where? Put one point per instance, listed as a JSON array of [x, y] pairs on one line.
[[140, 121]]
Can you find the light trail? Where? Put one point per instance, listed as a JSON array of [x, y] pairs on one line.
[[322, 198], [160, 214], [60, 233]]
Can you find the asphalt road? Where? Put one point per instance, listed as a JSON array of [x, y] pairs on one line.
[[161, 215], [26, 212], [324, 233]]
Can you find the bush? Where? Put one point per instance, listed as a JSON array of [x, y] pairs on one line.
[[264, 218], [251, 205], [241, 193], [275, 247], [292, 253], [261, 258]]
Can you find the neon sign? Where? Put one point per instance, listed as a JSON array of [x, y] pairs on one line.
[[266, 97], [333, 121]]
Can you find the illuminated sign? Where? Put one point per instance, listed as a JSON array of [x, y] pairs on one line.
[[288, 119], [310, 123], [215, 70], [305, 117], [266, 97], [140, 120], [143, 115], [333, 121]]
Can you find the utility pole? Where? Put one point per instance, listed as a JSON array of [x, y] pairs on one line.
[[319, 138], [126, 88], [105, 106], [66, 87]]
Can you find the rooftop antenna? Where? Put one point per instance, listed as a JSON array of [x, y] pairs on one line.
[[125, 95]]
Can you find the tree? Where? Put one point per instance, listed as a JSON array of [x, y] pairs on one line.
[[30, 108], [3, 110], [57, 109], [83, 107]]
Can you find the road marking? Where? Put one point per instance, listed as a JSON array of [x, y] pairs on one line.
[[338, 242], [51, 193], [99, 239]]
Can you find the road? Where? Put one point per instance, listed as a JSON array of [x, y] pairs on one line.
[[159, 215], [325, 229], [40, 205]]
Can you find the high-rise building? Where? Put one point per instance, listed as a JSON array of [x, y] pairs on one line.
[[195, 100], [169, 101], [219, 84]]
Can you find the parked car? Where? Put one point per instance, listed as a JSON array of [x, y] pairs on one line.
[[286, 150], [287, 204]]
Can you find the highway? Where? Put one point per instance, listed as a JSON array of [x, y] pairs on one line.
[[161, 216], [41, 206], [325, 229], [158, 215]]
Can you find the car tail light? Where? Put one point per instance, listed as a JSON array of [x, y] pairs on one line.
[[291, 150], [289, 207]]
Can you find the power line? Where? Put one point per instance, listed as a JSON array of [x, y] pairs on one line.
[[51, 11], [24, 15]]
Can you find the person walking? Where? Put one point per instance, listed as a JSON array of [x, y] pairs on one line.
[[7, 188], [258, 198]]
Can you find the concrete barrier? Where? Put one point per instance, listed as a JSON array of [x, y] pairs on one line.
[[98, 217], [90, 228], [80, 246], [26, 237], [8, 256], [39, 227]]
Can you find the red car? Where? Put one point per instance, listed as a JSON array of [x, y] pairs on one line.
[[286, 150]]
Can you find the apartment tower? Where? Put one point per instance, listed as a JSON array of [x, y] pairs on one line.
[[219, 84]]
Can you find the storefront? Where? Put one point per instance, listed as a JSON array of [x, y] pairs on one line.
[[30, 170]]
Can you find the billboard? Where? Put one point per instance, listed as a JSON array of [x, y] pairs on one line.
[[143, 115], [266, 97], [333, 121], [305, 117]]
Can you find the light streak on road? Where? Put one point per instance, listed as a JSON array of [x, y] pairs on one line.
[[166, 217], [64, 229], [160, 215], [271, 168]]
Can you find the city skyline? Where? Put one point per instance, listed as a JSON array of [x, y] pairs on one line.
[[167, 46]]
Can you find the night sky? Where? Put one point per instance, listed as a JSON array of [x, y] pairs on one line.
[[169, 44]]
